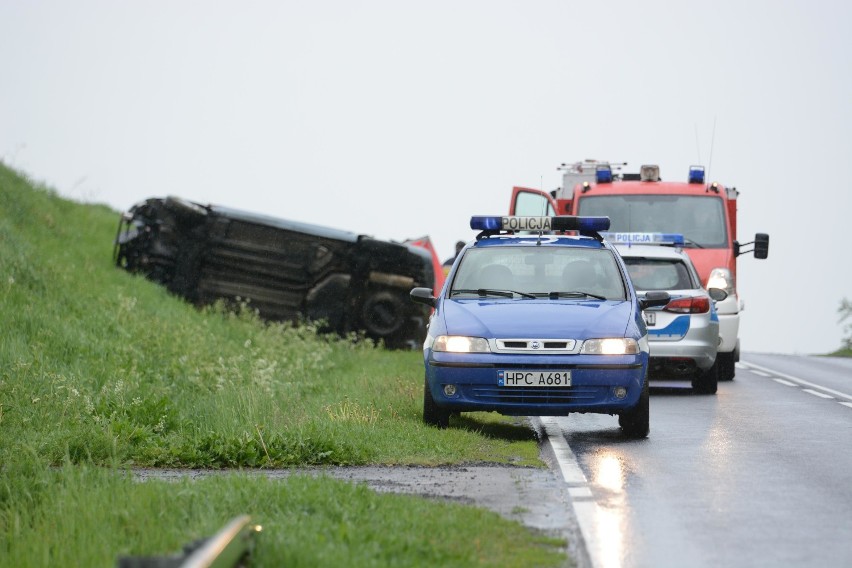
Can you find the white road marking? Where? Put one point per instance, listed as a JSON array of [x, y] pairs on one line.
[[761, 373], [786, 382], [587, 511], [752, 366], [566, 459], [817, 393], [849, 404], [579, 492]]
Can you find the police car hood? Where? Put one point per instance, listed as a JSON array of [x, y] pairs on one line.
[[540, 319]]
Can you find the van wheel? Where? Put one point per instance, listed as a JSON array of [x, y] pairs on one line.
[[383, 314], [432, 414]]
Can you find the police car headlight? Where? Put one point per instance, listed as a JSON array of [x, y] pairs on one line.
[[460, 344], [610, 346], [722, 278]]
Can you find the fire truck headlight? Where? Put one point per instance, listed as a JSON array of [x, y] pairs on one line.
[[722, 278]]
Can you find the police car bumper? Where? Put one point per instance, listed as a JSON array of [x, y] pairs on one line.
[[600, 384], [699, 346]]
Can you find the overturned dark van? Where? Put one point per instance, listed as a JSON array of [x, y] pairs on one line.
[[286, 270]]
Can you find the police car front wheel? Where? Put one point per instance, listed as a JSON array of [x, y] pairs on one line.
[[636, 422], [432, 414]]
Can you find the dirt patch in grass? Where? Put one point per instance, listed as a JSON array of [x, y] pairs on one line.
[[535, 497]]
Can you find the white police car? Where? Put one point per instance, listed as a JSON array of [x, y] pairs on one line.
[[683, 334], [538, 324]]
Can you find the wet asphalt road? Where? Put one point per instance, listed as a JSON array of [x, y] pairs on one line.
[[758, 475]]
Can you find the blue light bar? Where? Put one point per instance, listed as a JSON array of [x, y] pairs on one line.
[[485, 223], [538, 224], [571, 223], [644, 238], [696, 174], [603, 174]]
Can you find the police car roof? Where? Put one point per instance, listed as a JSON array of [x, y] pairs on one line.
[[650, 251], [549, 240]]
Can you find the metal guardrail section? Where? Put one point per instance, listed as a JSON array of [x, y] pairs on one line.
[[228, 548], [231, 547]]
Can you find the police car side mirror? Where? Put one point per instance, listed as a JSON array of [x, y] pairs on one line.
[[717, 294], [654, 299], [423, 296]]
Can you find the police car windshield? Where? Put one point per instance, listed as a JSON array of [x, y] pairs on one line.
[[545, 272], [660, 274], [700, 219]]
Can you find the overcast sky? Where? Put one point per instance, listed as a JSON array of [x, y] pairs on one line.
[[402, 119]]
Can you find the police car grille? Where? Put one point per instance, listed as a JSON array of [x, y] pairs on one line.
[[536, 395], [536, 345], [543, 344]]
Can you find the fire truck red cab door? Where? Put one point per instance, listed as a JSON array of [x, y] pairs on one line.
[[528, 202]]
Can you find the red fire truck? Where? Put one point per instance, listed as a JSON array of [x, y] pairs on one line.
[[704, 213]]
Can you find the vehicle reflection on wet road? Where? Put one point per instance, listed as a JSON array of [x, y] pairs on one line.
[[608, 478]]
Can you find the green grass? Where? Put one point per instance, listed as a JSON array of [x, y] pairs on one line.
[[102, 368], [86, 516]]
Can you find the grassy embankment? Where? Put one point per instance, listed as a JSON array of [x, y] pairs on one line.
[[101, 371]]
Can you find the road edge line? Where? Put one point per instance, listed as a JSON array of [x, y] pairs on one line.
[[796, 380], [582, 501]]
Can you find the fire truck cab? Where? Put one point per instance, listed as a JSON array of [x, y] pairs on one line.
[[704, 213]]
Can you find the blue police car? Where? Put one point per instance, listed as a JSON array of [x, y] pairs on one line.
[[538, 317]]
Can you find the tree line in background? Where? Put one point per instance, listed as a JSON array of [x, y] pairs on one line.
[[845, 311]]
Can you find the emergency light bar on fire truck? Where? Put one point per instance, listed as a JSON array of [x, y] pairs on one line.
[[648, 172]]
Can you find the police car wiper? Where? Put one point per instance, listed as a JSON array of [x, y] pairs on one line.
[[690, 243], [488, 291], [575, 293]]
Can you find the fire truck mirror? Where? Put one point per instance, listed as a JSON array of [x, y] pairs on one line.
[[761, 245]]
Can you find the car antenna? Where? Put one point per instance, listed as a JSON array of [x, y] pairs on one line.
[[710, 162], [543, 206]]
